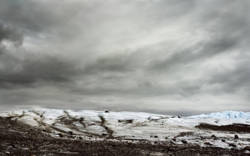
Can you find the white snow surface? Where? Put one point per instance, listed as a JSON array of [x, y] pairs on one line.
[[136, 125], [225, 115]]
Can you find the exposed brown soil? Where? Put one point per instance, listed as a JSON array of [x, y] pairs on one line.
[[241, 128], [20, 139]]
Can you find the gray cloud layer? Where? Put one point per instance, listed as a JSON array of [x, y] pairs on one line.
[[147, 55]]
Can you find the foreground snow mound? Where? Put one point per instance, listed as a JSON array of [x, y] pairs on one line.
[[136, 126], [225, 115]]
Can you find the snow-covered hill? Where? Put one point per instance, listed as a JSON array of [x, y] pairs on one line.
[[134, 126]]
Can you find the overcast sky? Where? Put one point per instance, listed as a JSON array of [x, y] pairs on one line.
[[139, 55]]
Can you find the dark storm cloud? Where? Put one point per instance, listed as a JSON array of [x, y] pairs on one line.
[[32, 69], [20, 19], [229, 33], [120, 63], [228, 30], [196, 53], [28, 72], [29, 14], [8, 33], [234, 80], [125, 52]]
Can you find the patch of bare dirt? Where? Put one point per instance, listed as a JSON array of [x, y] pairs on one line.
[[240, 128]]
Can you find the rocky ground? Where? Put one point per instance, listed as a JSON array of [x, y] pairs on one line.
[[17, 138]]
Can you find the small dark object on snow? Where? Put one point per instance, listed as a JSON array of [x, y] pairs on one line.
[[208, 143], [232, 145], [236, 136], [182, 134], [70, 133], [214, 137], [223, 140], [184, 141], [81, 119], [202, 138], [60, 135], [128, 121], [106, 111]]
